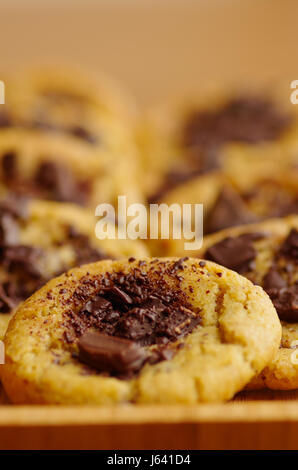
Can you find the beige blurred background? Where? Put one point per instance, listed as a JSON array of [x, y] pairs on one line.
[[157, 48]]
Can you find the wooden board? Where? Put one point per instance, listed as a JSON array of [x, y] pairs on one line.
[[254, 420]]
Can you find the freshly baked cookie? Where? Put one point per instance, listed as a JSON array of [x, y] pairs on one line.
[[64, 103], [57, 168], [223, 130], [140, 331], [41, 239], [267, 254], [233, 152], [228, 203], [50, 87]]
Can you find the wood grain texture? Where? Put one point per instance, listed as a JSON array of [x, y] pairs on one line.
[[254, 420]]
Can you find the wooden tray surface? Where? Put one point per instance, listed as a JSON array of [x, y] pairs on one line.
[[254, 420]]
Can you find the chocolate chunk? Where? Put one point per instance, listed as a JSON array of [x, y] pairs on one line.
[[85, 252], [56, 182], [289, 248], [273, 280], [135, 307], [5, 119], [82, 133], [242, 119], [117, 293], [20, 262], [278, 282], [111, 354], [235, 253], [285, 300], [229, 210], [9, 165], [98, 305], [23, 257]]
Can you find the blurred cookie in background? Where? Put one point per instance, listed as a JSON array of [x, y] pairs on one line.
[[76, 88], [41, 239], [219, 131], [267, 254], [68, 102], [228, 202], [55, 167]]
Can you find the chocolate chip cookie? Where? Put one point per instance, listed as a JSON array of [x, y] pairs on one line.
[[221, 131], [66, 103], [267, 254], [140, 331], [41, 239], [54, 167], [234, 153]]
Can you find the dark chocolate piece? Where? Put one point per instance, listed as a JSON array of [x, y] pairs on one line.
[[242, 119], [289, 248], [9, 166], [229, 210], [137, 307], [273, 280], [82, 133], [111, 354], [56, 182], [5, 119], [85, 252], [236, 253], [285, 300]]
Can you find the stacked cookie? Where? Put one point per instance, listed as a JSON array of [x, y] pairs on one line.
[[102, 322]]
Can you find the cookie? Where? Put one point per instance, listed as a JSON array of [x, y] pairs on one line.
[[227, 151], [57, 103], [41, 239], [55, 167], [215, 132], [267, 254], [140, 331], [229, 203], [48, 88]]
